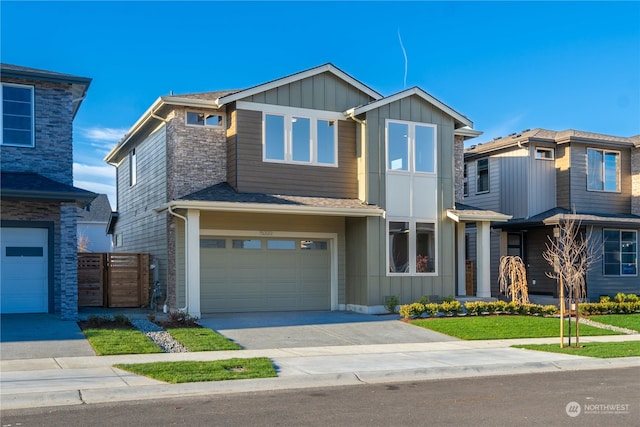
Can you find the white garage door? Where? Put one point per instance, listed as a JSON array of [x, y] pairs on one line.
[[258, 274], [25, 272]]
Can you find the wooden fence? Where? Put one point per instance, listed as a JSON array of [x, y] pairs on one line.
[[113, 280]]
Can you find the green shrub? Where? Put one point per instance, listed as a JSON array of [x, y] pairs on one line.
[[549, 310], [391, 303], [431, 308], [605, 298], [620, 297], [424, 299], [632, 298], [451, 307], [474, 307], [411, 311]]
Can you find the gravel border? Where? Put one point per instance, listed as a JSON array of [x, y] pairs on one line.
[[608, 327], [158, 335]]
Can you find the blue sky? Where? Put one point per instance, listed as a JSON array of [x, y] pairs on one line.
[[508, 66]]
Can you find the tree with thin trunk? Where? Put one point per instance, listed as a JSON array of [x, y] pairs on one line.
[[571, 251], [513, 279]]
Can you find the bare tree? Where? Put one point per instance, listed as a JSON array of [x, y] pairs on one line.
[[571, 252], [513, 279], [83, 243]]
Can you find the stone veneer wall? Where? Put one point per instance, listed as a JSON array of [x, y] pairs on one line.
[[63, 217], [458, 168], [635, 181], [52, 155]]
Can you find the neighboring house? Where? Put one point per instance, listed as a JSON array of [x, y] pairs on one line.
[[309, 192], [93, 220], [39, 201], [540, 177]]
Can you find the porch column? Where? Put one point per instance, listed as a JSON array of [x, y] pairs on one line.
[[484, 259], [460, 259], [192, 262]]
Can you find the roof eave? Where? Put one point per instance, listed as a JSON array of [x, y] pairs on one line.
[[462, 216], [49, 195]]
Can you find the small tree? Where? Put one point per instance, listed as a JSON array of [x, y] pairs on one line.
[[513, 279], [83, 243], [571, 252]]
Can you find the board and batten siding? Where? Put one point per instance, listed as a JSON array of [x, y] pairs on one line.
[[141, 230], [491, 199], [264, 225], [514, 177], [255, 175], [599, 201], [541, 185]]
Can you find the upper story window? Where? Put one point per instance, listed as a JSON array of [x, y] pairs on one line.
[[544, 153], [17, 115], [411, 147], [603, 170], [620, 252], [133, 168], [465, 181], [198, 118], [482, 176], [292, 138]]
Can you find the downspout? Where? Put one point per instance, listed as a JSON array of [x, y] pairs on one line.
[[186, 270]]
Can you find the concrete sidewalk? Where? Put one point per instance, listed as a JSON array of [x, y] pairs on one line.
[[59, 381]]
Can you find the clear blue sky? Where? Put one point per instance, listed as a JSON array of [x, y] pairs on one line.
[[508, 66]]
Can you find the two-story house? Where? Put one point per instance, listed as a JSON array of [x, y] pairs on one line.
[[39, 201], [542, 177], [309, 192]]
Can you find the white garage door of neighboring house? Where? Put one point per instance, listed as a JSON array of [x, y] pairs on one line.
[[25, 271], [258, 274]]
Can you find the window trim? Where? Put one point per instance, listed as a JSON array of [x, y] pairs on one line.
[[620, 231], [314, 117], [133, 167], [545, 150], [205, 125], [32, 112], [488, 176], [618, 170], [411, 148], [412, 246]]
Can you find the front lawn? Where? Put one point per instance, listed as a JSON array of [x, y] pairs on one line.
[[503, 327], [628, 321], [202, 339], [592, 349], [109, 341], [218, 370]]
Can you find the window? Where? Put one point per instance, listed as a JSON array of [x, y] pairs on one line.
[[195, 118], [206, 243], [133, 168], [412, 247], [17, 115], [603, 170], [411, 147], [465, 181], [313, 245], [118, 240], [514, 244], [620, 252], [544, 153], [482, 176], [287, 245], [247, 244], [294, 138]]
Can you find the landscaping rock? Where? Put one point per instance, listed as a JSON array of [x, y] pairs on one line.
[[159, 336]]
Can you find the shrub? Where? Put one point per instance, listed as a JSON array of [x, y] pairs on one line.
[[411, 311], [431, 308], [620, 297], [179, 319], [605, 298], [549, 310], [448, 298], [474, 307], [391, 303], [451, 307], [424, 299], [632, 298]]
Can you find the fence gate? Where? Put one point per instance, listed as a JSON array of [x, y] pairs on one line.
[[113, 280]]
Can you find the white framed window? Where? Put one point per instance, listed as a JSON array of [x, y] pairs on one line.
[[17, 115], [411, 147], [482, 176], [300, 138], [133, 168], [204, 119], [543, 153], [411, 247], [620, 252], [603, 170]]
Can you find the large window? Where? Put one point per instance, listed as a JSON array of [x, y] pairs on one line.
[[294, 138], [482, 176], [412, 247], [411, 147], [603, 170], [17, 115], [620, 252]]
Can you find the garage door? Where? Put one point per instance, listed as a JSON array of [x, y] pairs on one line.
[[25, 272], [258, 274]]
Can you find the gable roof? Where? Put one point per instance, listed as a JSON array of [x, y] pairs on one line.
[[330, 68], [79, 85], [460, 119], [29, 185], [99, 210]]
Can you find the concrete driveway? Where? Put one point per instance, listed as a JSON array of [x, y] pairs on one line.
[[316, 329], [36, 336]]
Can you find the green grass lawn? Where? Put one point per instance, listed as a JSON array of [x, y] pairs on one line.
[[107, 341], [219, 370], [202, 339], [503, 327], [629, 321], [592, 349]]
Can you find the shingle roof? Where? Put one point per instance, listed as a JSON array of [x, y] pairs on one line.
[[223, 192], [552, 216], [99, 210], [28, 185]]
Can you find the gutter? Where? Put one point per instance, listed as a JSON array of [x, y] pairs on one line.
[[165, 308]]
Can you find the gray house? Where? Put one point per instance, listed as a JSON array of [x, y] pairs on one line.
[[39, 201], [309, 192], [540, 177]]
